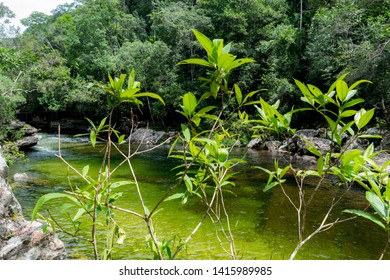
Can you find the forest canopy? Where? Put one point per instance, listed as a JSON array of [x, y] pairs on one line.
[[52, 68]]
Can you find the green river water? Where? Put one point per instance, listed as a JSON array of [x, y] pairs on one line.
[[264, 224]]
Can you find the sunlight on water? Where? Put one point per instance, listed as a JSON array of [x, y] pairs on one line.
[[264, 224]]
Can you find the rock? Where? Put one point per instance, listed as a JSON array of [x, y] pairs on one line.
[[147, 136], [307, 133], [304, 162], [3, 165], [255, 143], [20, 239], [27, 142], [273, 146], [20, 177], [381, 158], [29, 130], [298, 144], [16, 125], [29, 137], [385, 143]]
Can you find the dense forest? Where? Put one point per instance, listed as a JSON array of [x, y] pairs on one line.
[[171, 63], [50, 71]]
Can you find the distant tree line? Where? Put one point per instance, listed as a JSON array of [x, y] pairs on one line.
[[53, 67]]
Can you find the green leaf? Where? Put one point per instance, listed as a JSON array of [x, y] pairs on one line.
[[121, 183], [270, 186], [370, 136], [358, 83], [175, 196], [367, 216], [189, 103], [249, 95], [101, 125], [348, 113], [151, 95], [121, 139], [45, 198], [93, 137], [238, 62], [341, 90], [333, 86], [85, 170], [196, 61], [363, 117], [188, 183], [308, 97], [204, 41], [353, 102], [349, 156], [186, 132], [79, 213], [238, 92], [131, 81], [378, 205]]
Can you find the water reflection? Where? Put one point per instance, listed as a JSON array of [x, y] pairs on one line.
[[264, 224]]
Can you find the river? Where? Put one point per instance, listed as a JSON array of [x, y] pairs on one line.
[[264, 224]]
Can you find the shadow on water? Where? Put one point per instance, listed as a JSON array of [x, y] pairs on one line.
[[264, 223]]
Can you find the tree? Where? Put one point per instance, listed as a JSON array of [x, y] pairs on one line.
[[346, 38], [155, 68], [6, 29]]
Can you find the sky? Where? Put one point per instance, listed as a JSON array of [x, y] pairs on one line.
[[24, 8]]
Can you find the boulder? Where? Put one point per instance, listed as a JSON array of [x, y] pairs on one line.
[[147, 136], [28, 133], [3, 165], [256, 143], [20, 177], [385, 143], [29, 130], [19, 238], [381, 158], [273, 145], [27, 142], [299, 144]]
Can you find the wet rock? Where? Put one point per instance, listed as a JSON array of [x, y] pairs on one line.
[[20, 177], [308, 133], [27, 142], [256, 143], [21, 239], [273, 146], [382, 158], [29, 130], [147, 136], [300, 144], [28, 133]]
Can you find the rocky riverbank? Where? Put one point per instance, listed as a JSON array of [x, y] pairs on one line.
[[297, 145], [21, 239]]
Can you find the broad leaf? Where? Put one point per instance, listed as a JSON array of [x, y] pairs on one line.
[[151, 95], [366, 215], [204, 41], [45, 198], [378, 205], [196, 61], [189, 103], [238, 93]]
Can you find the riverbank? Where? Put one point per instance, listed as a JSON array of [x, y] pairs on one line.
[[21, 239]]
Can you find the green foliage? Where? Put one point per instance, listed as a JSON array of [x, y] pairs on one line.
[[349, 165], [344, 39], [220, 60], [117, 93]]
